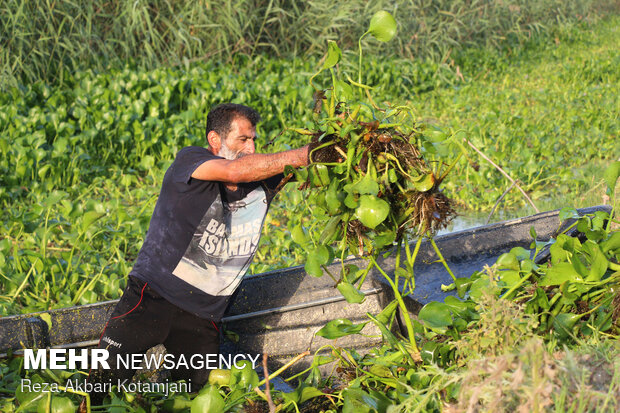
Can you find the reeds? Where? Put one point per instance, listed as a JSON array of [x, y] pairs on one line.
[[42, 39]]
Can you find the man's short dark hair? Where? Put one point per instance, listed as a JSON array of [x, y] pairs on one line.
[[220, 117]]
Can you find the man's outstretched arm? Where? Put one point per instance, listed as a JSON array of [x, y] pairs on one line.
[[251, 168]]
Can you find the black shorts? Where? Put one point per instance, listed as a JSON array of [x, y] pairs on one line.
[[141, 320]]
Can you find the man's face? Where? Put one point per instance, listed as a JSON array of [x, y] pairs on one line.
[[240, 139]]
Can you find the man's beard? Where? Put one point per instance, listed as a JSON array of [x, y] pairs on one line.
[[227, 153]]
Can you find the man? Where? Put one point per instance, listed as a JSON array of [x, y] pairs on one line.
[[202, 236]]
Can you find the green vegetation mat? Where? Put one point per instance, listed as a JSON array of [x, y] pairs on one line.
[[81, 164]]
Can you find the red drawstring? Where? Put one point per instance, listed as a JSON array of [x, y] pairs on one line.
[[122, 315], [106, 324]]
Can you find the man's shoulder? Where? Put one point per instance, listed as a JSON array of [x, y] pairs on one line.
[[189, 151], [187, 160]]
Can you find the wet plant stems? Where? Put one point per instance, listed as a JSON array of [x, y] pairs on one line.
[[359, 42], [412, 257], [363, 277], [316, 353], [329, 273], [447, 171], [397, 260], [441, 258], [281, 369], [517, 285], [401, 304]]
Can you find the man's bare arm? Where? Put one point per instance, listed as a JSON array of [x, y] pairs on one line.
[[250, 168]]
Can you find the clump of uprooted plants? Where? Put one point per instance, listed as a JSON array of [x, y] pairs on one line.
[[376, 170], [376, 174], [379, 184]]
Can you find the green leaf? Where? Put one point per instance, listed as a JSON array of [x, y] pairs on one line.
[[319, 175], [378, 400], [386, 314], [57, 405], [302, 393], [612, 243], [48, 320], [299, 236], [456, 306], [611, 176], [384, 238], [402, 272], [355, 401], [560, 250], [521, 253], [436, 314], [312, 266], [178, 403], [382, 26], [479, 287], [424, 183], [209, 400], [508, 261], [387, 335], [560, 273], [598, 261], [344, 91], [340, 327], [89, 218], [563, 324], [462, 285], [430, 352], [538, 301], [568, 297], [321, 253], [435, 134], [330, 231], [528, 266], [372, 211], [333, 55], [350, 201], [243, 377], [43, 171], [334, 197], [568, 213], [350, 293], [509, 277], [380, 370], [366, 186]]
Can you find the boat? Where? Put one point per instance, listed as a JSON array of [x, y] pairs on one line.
[[279, 312]]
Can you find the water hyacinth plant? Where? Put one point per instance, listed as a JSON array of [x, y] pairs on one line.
[[376, 171]]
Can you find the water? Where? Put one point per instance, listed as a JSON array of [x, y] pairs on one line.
[[472, 219]]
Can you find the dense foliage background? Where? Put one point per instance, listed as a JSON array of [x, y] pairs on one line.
[[49, 39]]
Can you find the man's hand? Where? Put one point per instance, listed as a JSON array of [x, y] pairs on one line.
[[250, 168]]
